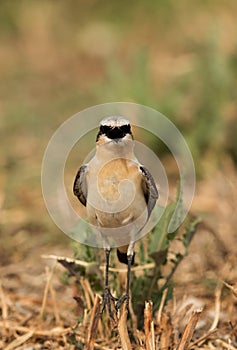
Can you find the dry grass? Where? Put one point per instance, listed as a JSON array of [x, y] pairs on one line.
[[42, 324]]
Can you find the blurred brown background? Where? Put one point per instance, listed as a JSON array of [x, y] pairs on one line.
[[57, 58]]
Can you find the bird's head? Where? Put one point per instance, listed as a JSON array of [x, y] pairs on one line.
[[114, 130]]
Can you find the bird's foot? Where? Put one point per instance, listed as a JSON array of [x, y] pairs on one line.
[[121, 300], [108, 298]]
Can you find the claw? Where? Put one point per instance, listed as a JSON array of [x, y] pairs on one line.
[[108, 297], [121, 300]]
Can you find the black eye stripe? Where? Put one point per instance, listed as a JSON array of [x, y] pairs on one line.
[[124, 128], [114, 132]]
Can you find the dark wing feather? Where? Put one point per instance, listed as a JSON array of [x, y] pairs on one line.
[[149, 189], [80, 185]]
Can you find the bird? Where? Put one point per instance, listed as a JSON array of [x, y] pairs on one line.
[[119, 194]]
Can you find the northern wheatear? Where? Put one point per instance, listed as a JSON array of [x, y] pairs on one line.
[[118, 193]]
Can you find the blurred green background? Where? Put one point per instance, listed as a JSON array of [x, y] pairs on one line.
[[59, 57]]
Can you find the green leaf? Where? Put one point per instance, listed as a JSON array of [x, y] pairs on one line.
[[159, 240]]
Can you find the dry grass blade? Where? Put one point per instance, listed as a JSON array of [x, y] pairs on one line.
[[54, 332], [4, 307], [95, 316], [19, 341], [133, 316], [55, 306], [162, 303], [189, 330], [49, 275], [58, 258], [232, 288], [217, 306], [201, 340], [90, 291], [85, 264], [225, 345], [149, 326], [86, 292], [122, 328], [166, 330]]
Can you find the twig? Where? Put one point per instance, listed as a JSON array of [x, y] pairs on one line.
[[3, 307], [148, 324], [49, 275], [201, 340], [95, 316], [86, 264], [189, 330], [166, 330], [3, 303], [226, 345], [86, 293], [88, 286], [152, 335], [217, 306], [19, 341], [122, 328], [162, 303], [85, 317], [54, 332], [55, 307], [133, 316], [56, 257], [232, 288]]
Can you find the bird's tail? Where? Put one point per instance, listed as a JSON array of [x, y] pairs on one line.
[[122, 255]]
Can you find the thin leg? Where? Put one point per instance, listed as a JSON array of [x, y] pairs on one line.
[[126, 295], [107, 294], [128, 279], [107, 253]]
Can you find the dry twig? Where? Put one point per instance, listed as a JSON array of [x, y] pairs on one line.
[[149, 326], [49, 275], [19, 341], [166, 330], [133, 316], [86, 293], [201, 340], [233, 289], [162, 303], [102, 267], [225, 345], [122, 328], [54, 332], [55, 306], [95, 316], [217, 306], [4, 307], [189, 330]]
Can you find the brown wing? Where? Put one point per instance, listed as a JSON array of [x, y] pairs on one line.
[[149, 189], [80, 185]]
